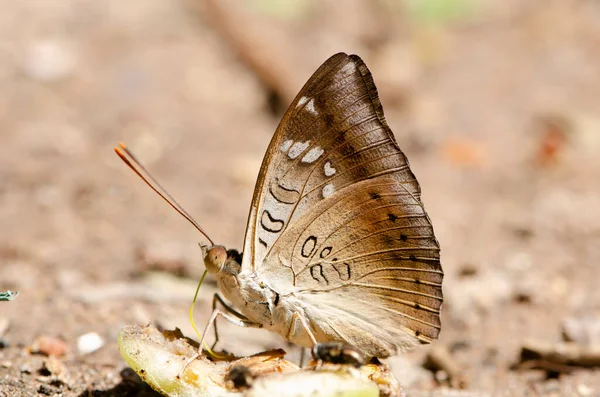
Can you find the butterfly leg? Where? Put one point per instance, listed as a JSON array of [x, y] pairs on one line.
[[237, 321], [296, 316], [219, 299], [240, 322]]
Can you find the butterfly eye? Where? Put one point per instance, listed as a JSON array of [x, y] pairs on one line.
[[215, 259]]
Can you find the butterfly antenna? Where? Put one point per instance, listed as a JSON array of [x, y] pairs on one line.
[[132, 162]]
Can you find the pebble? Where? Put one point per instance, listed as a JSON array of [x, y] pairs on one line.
[[408, 372], [49, 346], [49, 60], [54, 366], [585, 391], [88, 343], [46, 390], [471, 297], [584, 330]]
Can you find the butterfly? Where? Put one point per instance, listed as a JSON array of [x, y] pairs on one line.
[[338, 246]]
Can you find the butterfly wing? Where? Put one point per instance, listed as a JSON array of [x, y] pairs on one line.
[[338, 221]]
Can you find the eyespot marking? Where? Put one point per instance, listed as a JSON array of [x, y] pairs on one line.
[[283, 194], [343, 270], [392, 217], [308, 247], [403, 237], [316, 272], [271, 224], [325, 251]]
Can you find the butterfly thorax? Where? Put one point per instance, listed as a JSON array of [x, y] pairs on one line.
[[244, 289]]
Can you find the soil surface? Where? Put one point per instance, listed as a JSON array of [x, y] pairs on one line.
[[496, 104]]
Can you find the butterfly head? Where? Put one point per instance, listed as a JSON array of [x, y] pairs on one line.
[[215, 258], [218, 259]]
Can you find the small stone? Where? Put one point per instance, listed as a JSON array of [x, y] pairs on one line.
[[409, 373], [583, 330], [53, 372], [54, 366], [49, 346], [584, 391], [46, 390], [479, 294], [88, 343], [49, 60]]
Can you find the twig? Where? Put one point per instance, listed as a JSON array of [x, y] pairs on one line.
[[567, 353], [253, 43], [440, 359]]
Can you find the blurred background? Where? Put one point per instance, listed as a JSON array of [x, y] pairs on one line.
[[496, 104]]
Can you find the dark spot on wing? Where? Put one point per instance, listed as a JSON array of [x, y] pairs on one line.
[[329, 120]]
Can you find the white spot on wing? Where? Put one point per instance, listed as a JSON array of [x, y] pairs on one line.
[[302, 101], [328, 169], [312, 155], [297, 149], [310, 106], [328, 190], [286, 145]]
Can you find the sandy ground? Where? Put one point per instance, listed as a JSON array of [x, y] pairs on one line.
[[496, 104]]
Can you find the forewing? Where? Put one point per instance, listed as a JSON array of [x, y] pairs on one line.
[[337, 216], [333, 134]]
